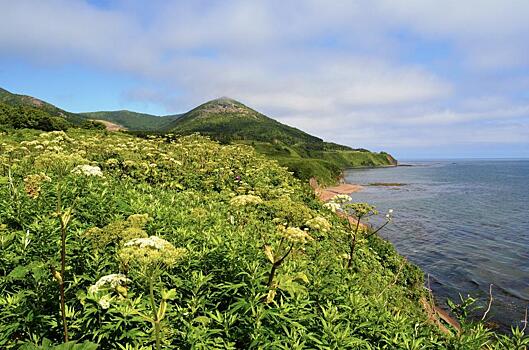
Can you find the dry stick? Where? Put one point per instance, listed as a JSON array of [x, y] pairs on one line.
[[490, 303]]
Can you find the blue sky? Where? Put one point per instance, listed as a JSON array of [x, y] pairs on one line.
[[417, 78]]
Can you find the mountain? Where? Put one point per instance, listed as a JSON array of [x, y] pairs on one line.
[[227, 120], [222, 119], [132, 120], [21, 111], [230, 121]]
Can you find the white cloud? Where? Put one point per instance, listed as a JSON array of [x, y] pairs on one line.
[[335, 69]]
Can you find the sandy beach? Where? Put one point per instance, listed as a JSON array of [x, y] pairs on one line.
[[327, 193]]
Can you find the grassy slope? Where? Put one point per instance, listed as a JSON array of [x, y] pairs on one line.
[[186, 188], [228, 120], [29, 102], [225, 120], [132, 120], [21, 111], [305, 155]]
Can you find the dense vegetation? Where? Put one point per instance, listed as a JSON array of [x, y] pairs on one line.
[[19, 111], [229, 121], [135, 243], [224, 120], [132, 120]]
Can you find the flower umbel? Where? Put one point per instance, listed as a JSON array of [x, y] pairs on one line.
[[150, 252], [113, 281], [332, 206], [245, 199], [88, 170], [319, 223], [341, 198], [296, 235]]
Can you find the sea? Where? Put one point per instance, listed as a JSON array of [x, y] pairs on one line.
[[465, 223]]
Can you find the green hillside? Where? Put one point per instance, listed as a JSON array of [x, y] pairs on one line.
[[133, 120], [183, 243], [224, 120], [21, 111], [229, 121]]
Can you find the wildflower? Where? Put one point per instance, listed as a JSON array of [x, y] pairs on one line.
[[119, 231], [361, 209], [33, 183], [295, 235], [112, 162], [87, 170], [245, 199], [319, 224], [151, 251], [138, 220], [341, 198], [389, 215], [113, 281], [332, 206], [104, 302]]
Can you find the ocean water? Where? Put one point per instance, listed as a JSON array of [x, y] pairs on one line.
[[464, 222]]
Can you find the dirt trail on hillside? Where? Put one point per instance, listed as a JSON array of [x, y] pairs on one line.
[[110, 126]]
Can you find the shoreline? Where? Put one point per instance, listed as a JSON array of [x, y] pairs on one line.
[[328, 193], [436, 315]]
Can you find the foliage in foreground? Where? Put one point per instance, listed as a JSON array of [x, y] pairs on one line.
[[189, 244]]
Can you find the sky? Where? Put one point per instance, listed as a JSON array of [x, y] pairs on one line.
[[416, 78]]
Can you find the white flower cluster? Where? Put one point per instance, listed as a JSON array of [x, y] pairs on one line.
[[104, 302], [88, 170], [319, 224], [389, 215], [150, 242], [332, 206], [335, 203], [296, 235], [245, 199], [113, 280]]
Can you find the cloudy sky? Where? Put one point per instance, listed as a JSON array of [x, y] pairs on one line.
[[417, 78]]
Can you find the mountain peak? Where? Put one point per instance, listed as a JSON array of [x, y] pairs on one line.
[[224, 99], [223, 105]]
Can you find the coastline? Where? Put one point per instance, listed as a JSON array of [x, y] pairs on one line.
[[435, 314], [326, 193]]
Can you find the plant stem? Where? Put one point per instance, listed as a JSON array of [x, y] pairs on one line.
[[156, 322], [353, 243], [276, 265], [271, 275], [63, 265], [378, 229]]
